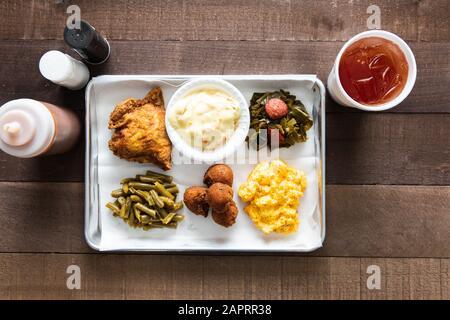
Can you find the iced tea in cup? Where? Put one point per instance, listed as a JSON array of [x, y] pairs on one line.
[[374, 71]]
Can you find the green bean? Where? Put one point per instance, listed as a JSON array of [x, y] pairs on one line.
[[156, 199], [131, 218], [135, 198], [126, 180], [115, 209], [161, 212], [121, 200], [137, 213], [169, 185], [173, 190], [178, 205], [161, 176], [147, 201], [169, 203], [152, 226], [147, 179], [141, 186], [145, 219], [122, 212], [169, 225], [117, 193], [168, 218], [146, 210], [178, 218], [144, 195], [125, 210], [163, 191]]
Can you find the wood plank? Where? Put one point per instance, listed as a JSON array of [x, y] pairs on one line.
[[65, 167], [394, 281], [222, 57], [445, 279], [387, 221], [415, 279], [43, 276], [388, 149], [306, 20], [425, 279], [225, 277], [365, 221], [333, 278], [42, 217], [433, 20]]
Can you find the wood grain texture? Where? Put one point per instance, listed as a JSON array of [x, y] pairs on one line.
[[42, 223], [43, 276], [378, 148], [307, 20], [42, 217], [430, 95], [387, 221], [445, 279], [433, 21], [66, 167], [362, 221], [332, 278], [404, 279]]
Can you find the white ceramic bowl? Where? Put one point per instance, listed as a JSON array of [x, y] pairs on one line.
[[337, 91], [236, 140]]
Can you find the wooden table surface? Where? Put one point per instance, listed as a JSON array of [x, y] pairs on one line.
[[388, 173]]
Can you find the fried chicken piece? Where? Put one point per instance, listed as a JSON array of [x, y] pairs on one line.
[[196, 200], [218, 173], [140, 132]]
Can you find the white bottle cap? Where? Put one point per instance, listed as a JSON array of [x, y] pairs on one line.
[[63, 70], [18, 128], [27, 128]]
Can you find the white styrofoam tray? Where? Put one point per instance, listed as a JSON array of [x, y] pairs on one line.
[[196, 234]]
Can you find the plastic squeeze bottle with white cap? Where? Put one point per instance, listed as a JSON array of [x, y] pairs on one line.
[[64, 70], [30, 128]]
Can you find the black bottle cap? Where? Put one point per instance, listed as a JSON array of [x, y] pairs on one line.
[[88, 43]]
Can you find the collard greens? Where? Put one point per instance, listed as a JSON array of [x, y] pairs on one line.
[[292, 127]]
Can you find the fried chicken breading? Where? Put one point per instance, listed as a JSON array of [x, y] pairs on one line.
[[140, 132]]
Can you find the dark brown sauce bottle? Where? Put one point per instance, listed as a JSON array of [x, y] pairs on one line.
[[373, 71]]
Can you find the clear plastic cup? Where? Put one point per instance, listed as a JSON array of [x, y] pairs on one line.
[[338, 93]]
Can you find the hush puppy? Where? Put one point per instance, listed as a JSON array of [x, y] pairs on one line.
[[226, 217], [218, 195], [218, 173], [195, 199]]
